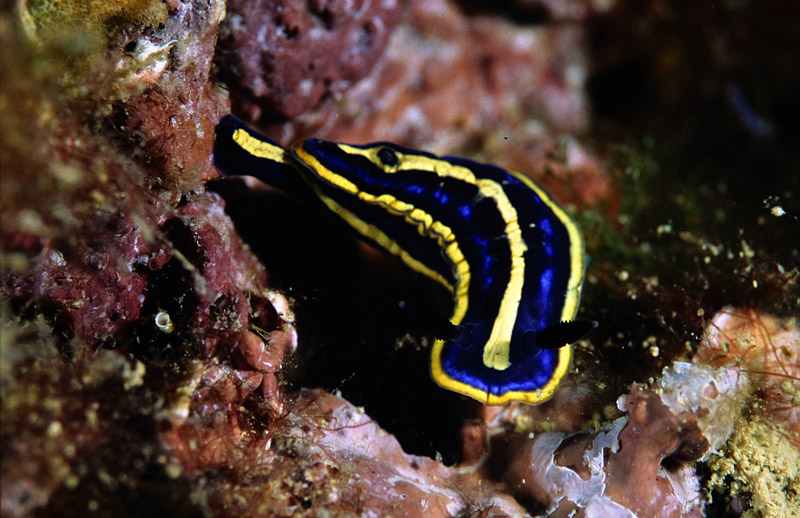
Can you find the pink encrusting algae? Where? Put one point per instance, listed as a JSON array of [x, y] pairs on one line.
[[154, 363]]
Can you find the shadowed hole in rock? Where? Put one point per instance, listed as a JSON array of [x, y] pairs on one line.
[[184, 240], [324, 16], [170, 292], [366, 36], [288, 31]]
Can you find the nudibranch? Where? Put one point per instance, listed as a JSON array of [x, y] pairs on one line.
[[511, 257]]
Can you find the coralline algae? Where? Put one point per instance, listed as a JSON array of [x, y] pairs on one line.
[[713, 394]]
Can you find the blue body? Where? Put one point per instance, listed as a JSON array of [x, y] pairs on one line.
[[512, 258]]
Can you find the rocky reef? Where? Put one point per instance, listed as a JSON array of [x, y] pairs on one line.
[[177, 344]]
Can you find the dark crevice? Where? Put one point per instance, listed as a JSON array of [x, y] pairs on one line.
[[352, 331]]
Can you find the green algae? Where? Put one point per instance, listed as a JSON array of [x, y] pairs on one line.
[[84, 24]]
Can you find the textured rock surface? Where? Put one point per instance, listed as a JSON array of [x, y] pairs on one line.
[[482, 86], [145, 350], [122, 280], [280, 58]]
